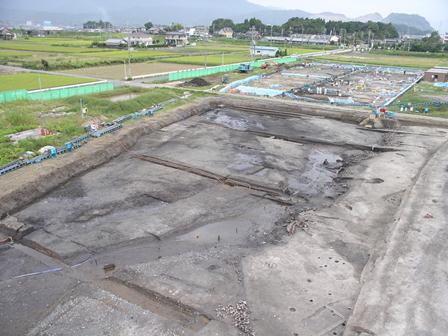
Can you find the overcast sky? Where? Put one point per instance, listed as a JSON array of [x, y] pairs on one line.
[[436, 11]]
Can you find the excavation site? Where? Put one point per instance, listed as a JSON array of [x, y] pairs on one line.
[[232, 216]]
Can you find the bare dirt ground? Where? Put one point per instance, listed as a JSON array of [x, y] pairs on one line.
[[324, 81], [232, 222], [137, 69]]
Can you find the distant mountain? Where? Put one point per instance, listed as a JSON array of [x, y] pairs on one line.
[[409, 23], [328, 16], [375, 17], [119, 12], [193, 12]]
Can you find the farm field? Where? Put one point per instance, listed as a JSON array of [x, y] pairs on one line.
[[117, 71], [209, 60], [76, 51], [68, 53], [420, 62], [63, 118], [423, 95], [30, 81], [77, 59]]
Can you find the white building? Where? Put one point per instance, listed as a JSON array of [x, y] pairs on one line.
[[264, 51], [226, 32], [115, 43], [176, 39], [139, 39], [445, 38]]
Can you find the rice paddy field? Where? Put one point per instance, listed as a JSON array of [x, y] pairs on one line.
[[34, 81], [420, 61], [69, 53], [209, 60], [63, 117], [118, 71], [77, 51]]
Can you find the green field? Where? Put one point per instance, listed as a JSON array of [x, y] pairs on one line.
[[30, 81], [70, 53], [425, 93], [24, 115], [74, 51], [406, 60], [209, 60]]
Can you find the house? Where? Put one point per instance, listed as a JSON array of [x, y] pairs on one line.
[[200, 32], [115, 43], [6, 34], [176, 39], [44, 31], [157, 30], [264, 51], [437, 74], [334, 39], [311, 38], [390, 41], [139, 39], [226, 32], [445, 38]]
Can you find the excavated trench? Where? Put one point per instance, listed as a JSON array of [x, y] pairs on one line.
[[181, 215]]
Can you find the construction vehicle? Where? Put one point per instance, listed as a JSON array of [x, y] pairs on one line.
[[244, 68]]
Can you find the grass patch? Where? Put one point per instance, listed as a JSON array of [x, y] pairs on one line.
[[422, 93], [30, 81], [210, 60], [389, 60], [24, 115]]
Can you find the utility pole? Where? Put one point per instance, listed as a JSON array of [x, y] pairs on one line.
[[254, 44], [129, 57]]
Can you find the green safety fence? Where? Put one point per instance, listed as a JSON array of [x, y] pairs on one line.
[[192, 73], [65, 92], [184, 74], [10, 96], [55, 93]]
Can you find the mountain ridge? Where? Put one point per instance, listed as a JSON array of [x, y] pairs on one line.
[[188, 13]]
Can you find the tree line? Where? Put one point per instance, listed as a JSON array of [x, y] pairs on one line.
[[296, 25], [97, 25]]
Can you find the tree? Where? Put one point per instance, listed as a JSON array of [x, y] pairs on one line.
[[219, 24], [176, 27], [148, 25], [432, 43], [45, 64], [97, 25]]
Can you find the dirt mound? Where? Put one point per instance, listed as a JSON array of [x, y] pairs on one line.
[[196, 82]]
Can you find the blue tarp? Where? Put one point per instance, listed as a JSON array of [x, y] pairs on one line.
[[441, 85], [259, 91], [341, 101], [239, 82]]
